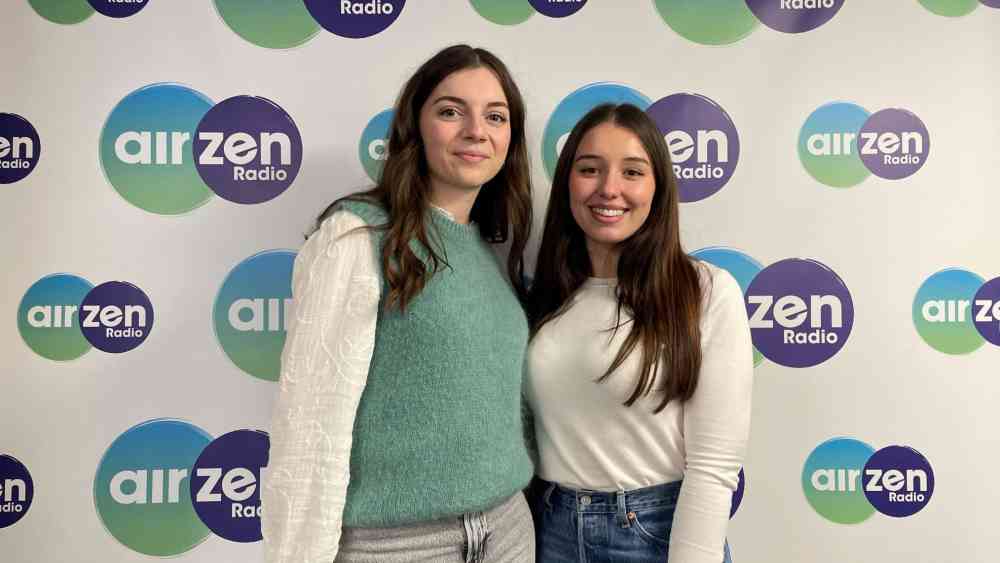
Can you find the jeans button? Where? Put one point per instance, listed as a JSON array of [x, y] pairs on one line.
[[585, 500]]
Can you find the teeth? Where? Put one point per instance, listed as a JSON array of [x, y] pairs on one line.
[[608, 212]]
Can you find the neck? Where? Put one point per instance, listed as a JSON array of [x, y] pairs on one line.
[[457, 201], [603, 260]]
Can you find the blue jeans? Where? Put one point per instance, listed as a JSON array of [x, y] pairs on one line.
[[594, 527]]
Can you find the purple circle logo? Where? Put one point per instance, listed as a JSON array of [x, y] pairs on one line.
[[893, 143], [794, 16], [20, 148], [355, 19], [801, 312], [899, 481], [225, 484], [248, 149], [116, 317], [16, 491], [703, 142], [118, 8], [557, 8], [987, 311]]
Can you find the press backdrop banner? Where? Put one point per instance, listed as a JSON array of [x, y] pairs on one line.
[[160, 161]]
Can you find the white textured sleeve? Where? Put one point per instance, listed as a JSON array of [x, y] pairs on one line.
[[324, 367], [716, 426]]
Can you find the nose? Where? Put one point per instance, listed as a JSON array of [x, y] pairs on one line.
[[475, 128], [609, 186]]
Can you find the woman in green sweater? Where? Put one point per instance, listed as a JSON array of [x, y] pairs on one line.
[[397, 431]]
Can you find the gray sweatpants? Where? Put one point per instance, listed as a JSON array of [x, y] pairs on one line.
[[503, 534]]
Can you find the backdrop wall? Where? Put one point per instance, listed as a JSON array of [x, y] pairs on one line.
[[160, 161]]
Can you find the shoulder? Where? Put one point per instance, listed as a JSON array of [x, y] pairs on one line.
[[370, 211], [717, 286], [340, 232]]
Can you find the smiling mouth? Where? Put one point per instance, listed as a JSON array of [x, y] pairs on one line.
[[607, 212]]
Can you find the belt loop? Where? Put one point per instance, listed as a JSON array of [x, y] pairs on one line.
[[622, 513], [548, 496]]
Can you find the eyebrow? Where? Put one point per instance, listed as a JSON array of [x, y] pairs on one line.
[[453, 99], [626, 159]]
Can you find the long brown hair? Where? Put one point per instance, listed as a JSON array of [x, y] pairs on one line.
[[502, 209], [658, 284]]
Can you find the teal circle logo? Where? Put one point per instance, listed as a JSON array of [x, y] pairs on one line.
[[48, 317], [846, 481], [945, 310], [65, 12], [142, 488], [373, 148], [574, 106], [251, 312], [841, 143], [740, 265], [146, 148], [509, 12], [832, 480], [956, 8], [709, 22], [828, 144], [275, 24]]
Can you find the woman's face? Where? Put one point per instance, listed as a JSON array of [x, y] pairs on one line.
[[465, 128], [611, 186]]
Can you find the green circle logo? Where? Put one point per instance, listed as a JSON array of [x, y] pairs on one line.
[[65, 12], [49, 319], [944, 311], [275, 24], [832, 479], [507, 12], [145, 148], [950, 8], [709, 22], [142, 490]]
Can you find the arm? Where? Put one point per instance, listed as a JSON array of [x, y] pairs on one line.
[[324, 367], [716, 427]]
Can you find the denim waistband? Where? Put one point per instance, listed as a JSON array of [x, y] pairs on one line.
[[553, 494]]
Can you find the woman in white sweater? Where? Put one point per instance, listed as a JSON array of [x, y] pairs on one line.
[[640, 364]]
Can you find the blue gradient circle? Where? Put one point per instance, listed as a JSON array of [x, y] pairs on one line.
[[142, 487], [373, 148], [574, 106], [833, 480], [48, 317], [146, 148], [944, 311], [251, 310], [828, 144]]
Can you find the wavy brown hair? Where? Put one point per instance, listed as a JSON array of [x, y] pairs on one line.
[[502, 209], [658, 284]]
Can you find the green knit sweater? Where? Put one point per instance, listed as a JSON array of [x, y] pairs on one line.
[[438, 430]]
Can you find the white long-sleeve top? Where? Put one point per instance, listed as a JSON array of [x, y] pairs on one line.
[[587, 439], [324, 368]]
